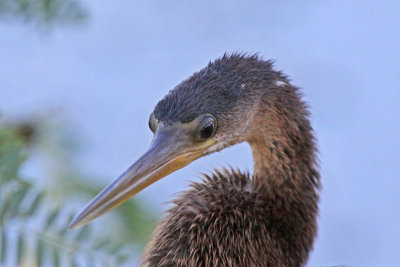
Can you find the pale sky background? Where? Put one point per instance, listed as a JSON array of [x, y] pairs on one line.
[[106, 77]]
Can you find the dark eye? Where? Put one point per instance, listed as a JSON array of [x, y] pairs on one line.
[[206, 128], [153, 123]]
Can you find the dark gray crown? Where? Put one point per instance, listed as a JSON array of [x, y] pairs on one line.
[[216, 88]]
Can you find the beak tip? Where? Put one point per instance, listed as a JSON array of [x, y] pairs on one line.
[[72, 226], [75, 223]]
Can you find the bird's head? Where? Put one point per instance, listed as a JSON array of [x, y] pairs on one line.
[[209, 111]]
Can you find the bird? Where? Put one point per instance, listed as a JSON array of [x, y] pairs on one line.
[[230, 217]]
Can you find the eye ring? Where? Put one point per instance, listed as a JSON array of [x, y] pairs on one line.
[[153, 122], [206, 128]]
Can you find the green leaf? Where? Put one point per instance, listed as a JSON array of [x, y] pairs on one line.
[[40, 249], [64, 227], [4, 207], [100, 243], [83, 233], [55, 257], [114, 247], [35, 204], [24, 186], [3, 250], [122, 258], [11, 154], [53, 244], [52, 217], [43, 12], [17, 197], [20, 247]]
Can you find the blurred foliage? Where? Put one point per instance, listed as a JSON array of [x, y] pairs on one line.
[[35, 211], [33, 228], [43, 12], [135, 223]]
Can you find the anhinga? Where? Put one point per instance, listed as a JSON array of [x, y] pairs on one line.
[[230, 218]]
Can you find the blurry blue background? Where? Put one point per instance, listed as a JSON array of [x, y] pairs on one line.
[[106, 76]]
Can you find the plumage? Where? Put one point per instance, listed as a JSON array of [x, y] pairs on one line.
[[230, 218]]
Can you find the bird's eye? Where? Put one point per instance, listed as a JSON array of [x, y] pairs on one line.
[[153, 123], [206, 128]]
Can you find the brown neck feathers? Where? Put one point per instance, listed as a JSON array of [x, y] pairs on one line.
[[285, 166]]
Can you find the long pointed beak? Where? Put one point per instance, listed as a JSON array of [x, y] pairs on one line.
[[169, 152]]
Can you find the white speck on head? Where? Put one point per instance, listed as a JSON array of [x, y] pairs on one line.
[[280, 83], [243, 85]]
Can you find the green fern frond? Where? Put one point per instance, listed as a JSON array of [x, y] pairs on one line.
[[31, 227]]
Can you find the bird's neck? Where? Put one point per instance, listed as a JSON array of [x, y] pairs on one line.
[[285, 167], [283, 146], [279, 161]]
